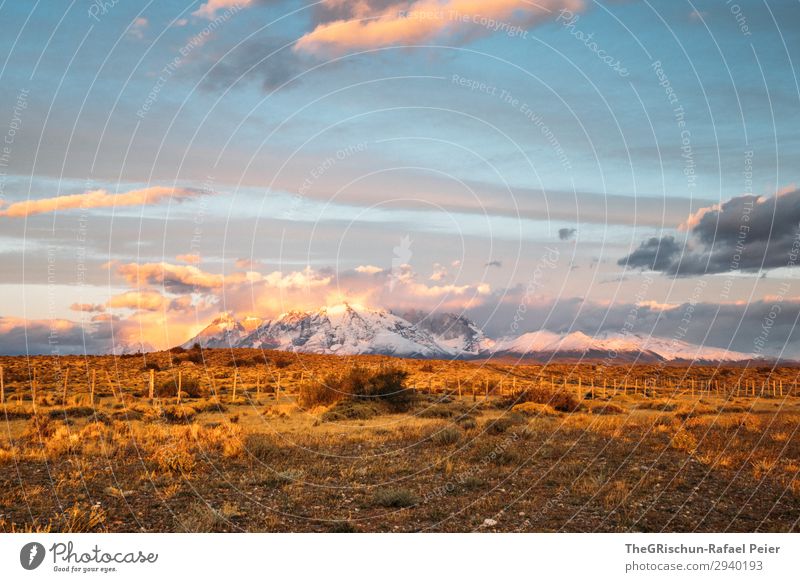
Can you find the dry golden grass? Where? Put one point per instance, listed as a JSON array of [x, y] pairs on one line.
[[478, 440]]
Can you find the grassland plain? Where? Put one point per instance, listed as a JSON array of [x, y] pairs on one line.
[[245, 440]]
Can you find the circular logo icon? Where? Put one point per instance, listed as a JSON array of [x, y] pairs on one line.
[[31, 555]]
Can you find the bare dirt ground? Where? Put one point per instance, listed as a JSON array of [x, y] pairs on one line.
[[255, 443]]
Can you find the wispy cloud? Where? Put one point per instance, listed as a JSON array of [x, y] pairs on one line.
[[209, 9], [372, 24], [97, 199]]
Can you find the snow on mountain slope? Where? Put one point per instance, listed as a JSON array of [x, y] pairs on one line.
[[346, 330], [646, 348], [455, 333], [224, 332], [350, 330]]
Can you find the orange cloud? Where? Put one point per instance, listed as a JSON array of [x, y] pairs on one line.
[[96, 199], [139, 300], [192, 259], [181, 277], [425, 21]]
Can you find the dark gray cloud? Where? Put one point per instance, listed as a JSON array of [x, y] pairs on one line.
[[494, 264], [21, 337], [656, 254], [566, 233], [269, 61], [747, 233]]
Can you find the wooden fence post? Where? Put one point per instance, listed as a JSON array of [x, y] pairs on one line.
[[66, 382], [152, 387], [180, 385], [91, 390], [2, 387], [235, 380]]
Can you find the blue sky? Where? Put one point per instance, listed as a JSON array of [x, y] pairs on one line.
[[306, 140]]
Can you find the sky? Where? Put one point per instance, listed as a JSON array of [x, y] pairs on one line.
[[604, 167]]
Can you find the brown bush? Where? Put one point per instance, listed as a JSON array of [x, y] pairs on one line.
[[386, 386], [169, 388], [560, 400]]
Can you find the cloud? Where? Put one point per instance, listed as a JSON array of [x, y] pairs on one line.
[[97, 199], [138, 27], [20, 336], [370, 24], [209, 9], [566, 233], [368, 269], [191, 258], [139, 300], [440, 272], [747, 233], [249, 264], [654, 254], [497, 264], [175, 278], [87, 307], [270, 60]]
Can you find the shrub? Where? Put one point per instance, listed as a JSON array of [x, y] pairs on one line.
[[560, 400], [174, 459], [261, 446], [360, 384], [394, 497], [280, 360], [535, 409], [468, 422], [169, 388], [605, 408], [497, 426], [322, 393], [688, 411], [195, 356], [385, 385], [179, 413], [684, 441], [351, 410], [449, 435]]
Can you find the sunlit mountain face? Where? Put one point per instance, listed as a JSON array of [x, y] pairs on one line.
[[427, 179], [356, 330]]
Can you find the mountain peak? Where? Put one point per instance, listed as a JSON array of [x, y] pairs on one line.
[[351, 329]]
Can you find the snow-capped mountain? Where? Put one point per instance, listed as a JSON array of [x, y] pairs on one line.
[[615, 347], [455, 333], [347, 330], [351, 330], [225, 332]]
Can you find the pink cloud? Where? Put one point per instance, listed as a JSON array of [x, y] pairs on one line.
[[209, 9], [426, 21], [96, 199]]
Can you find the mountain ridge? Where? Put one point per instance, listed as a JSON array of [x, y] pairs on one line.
[[351, 329]]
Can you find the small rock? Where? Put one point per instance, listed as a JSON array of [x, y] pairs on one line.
[[489, 522]]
